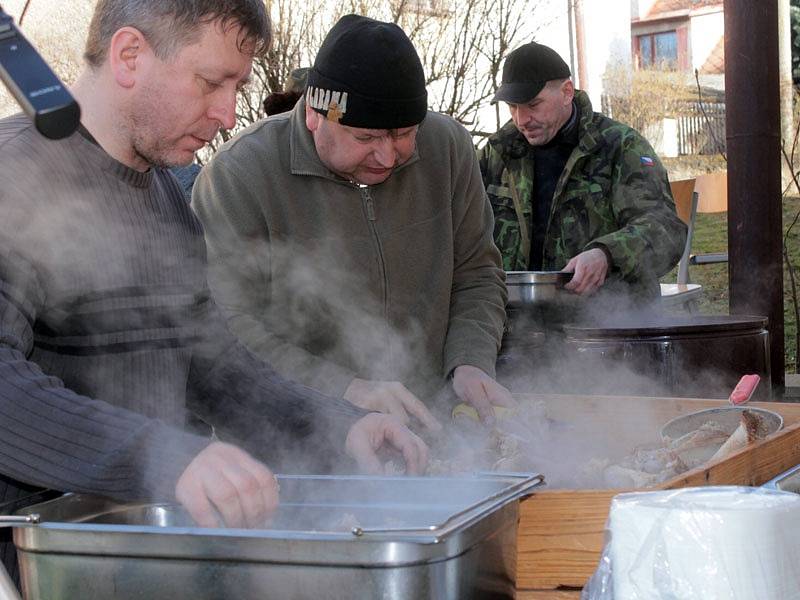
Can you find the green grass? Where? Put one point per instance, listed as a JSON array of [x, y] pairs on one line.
[[711, 235]]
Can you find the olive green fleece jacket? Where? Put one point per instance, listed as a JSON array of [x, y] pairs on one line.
[[329, 280]]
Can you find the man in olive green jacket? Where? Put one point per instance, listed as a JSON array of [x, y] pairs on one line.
[[350, 240], [574, 190]]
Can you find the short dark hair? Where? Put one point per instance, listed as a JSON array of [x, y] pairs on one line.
[[279, 102], [169, 25]]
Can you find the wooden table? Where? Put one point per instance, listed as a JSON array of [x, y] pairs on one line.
[[561, 532]]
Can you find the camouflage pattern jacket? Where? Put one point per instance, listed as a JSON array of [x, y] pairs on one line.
[[613, 194]]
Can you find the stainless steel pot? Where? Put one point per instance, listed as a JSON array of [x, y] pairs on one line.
[[530, 288], [333, 537]]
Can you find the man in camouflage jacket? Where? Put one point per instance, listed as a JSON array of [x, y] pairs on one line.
[[612, 218]]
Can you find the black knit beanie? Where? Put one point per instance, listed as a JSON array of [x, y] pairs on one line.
[[367, 74]]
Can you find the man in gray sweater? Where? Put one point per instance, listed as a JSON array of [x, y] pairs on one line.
[[108, 332], [350, 240]]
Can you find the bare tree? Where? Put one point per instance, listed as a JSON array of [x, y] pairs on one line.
[[461, 49], [461, 45]]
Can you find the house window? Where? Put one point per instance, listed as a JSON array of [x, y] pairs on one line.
[[658, 50]]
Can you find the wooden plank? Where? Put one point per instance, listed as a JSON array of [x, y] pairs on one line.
[[682, 195], [753, 465], [559, 537], [790, 411], [561, 532]]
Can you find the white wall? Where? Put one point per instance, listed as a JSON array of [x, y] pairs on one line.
[[607, 40], [705, 32], [607, 29]]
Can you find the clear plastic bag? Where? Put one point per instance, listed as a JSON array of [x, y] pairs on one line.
[[724, 542]]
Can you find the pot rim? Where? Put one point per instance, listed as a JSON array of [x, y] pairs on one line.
[[559, 278]]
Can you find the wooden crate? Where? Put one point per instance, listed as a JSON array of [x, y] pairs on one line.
[[561, 532]]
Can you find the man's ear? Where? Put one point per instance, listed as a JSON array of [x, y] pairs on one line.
[[127, 55], [312, 118], [568, 89]]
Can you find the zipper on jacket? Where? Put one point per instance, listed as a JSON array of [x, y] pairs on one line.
[[369, 208], [370, 205]]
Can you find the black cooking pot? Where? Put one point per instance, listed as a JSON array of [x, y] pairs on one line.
[[689, 356]]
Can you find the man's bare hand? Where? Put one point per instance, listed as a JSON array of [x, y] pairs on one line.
[[392, 398], [590, 268], [480, 391], [225, 486], [376, 431]]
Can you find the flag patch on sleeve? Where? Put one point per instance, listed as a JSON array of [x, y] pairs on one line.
[[647, 161]]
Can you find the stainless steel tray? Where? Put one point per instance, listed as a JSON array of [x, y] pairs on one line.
[[788, 481], [333, 537]]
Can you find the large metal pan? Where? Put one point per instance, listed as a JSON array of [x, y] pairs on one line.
[[333, 537]]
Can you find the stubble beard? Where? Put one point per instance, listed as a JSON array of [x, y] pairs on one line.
[[152, 150], [145, 132]]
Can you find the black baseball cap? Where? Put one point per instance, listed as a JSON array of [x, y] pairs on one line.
[[526, 71]]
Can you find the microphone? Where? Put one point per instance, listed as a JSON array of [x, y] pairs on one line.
[[35, 87]]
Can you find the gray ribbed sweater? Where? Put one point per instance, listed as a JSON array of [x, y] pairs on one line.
[[108, 332]]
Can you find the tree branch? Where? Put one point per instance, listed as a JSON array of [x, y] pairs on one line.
[[24, 11]]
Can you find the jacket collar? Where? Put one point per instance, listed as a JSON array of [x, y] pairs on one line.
[[304, 158], [587, 136]]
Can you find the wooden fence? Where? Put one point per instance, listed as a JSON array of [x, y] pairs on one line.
[[702, 130]]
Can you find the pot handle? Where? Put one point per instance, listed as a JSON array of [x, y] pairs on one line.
[[524, 488], [11, 520]]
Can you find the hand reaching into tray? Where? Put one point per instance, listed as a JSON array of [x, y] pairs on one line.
[[376, 431], [482, 392], [225, 486], [390, 397]]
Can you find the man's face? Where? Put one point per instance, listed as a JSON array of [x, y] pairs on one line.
[[540, 119], [366, 156], [182, 102]]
